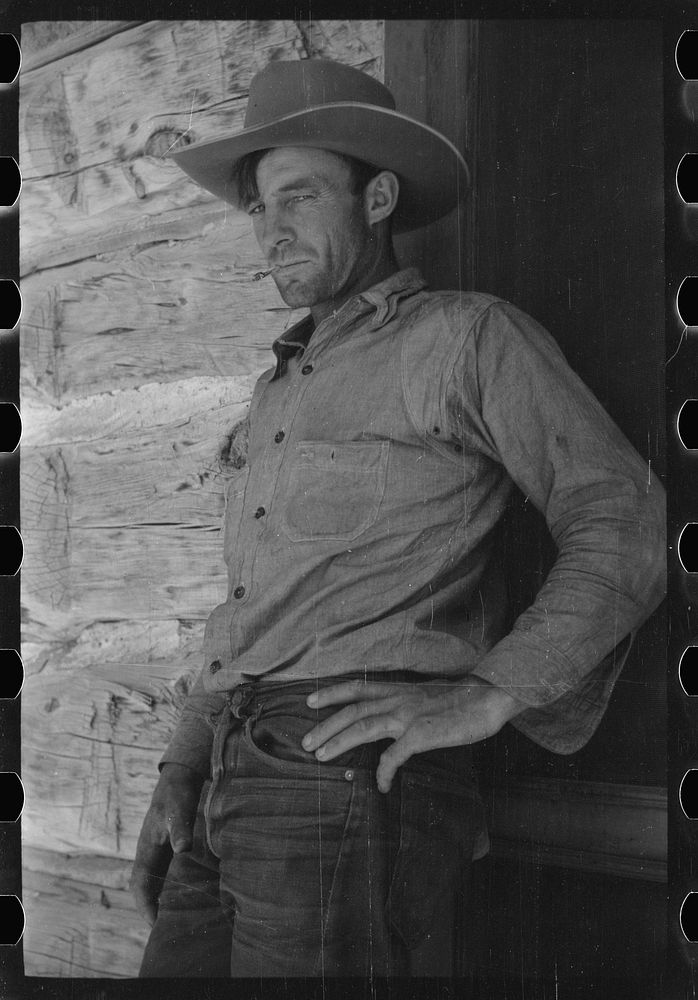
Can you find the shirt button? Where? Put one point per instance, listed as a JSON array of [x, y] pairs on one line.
[[279, 436], [215, 666], [239, 592], [260, 512], [306, 369]]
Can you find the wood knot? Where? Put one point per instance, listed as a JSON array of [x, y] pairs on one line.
[[182, 687], [164, 141], [234, 452]]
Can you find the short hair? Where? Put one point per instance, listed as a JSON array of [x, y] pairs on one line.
[[244, 174]]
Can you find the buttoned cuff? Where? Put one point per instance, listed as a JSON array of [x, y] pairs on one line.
[[198, 759], [562, 724], [528, 669]]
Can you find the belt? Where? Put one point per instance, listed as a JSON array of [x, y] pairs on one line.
[[247, 701]]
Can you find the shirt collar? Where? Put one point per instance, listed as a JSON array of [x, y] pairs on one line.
[[386, 295], [294, 340], [383, 298]]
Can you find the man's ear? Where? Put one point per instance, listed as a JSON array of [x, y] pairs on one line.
[[380, 196]]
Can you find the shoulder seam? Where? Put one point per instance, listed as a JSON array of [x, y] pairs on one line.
[[425, 432]]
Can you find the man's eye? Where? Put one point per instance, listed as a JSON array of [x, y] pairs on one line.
[[255, 209], [301, 197]]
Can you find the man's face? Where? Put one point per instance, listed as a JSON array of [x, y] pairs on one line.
[[307, 221]]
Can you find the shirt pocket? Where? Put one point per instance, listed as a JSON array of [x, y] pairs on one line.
[[334, 489]]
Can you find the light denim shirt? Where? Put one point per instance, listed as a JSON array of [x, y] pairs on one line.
[[382, 452]]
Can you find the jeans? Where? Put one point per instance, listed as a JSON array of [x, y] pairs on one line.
[[301, 868]]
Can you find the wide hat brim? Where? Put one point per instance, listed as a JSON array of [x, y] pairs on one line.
[[433, 174]]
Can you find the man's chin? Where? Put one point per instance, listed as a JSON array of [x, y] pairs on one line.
[[295, 293]]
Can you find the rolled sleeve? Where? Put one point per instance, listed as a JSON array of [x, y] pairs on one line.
[[514, 393]]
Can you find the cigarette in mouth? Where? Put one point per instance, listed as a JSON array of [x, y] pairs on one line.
[[263, 274]]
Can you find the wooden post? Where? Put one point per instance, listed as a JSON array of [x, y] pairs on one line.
[[431, 68]]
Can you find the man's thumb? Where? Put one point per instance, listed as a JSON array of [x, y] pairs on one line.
[[180, 834]]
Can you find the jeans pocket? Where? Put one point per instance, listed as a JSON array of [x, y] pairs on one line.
[[440, 817], [276, 745]]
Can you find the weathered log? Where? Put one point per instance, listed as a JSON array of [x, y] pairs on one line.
[[167, 75], [159, 571], [164, 641], [92, 738], [47, 41], [161, 477], [114, 414], [168, 312], [81, 920], [122, 502]]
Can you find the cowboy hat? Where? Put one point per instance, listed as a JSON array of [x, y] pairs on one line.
[[327, 105]]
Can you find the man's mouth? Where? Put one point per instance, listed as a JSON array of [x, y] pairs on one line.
[[287, 264]]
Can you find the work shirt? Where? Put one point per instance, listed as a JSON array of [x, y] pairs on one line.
[[383, 448]]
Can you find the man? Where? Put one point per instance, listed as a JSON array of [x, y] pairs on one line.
[[364, 645]]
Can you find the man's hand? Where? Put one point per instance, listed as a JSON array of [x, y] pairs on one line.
[[417, 717], [167, 829]]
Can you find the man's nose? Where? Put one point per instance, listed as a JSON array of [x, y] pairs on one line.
[[276, 229]]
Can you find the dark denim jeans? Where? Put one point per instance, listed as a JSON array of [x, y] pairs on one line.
[[305, 869]]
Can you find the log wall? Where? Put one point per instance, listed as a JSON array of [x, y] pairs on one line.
[[142, 336]]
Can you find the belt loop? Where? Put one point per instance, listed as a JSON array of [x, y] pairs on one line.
[[239, 699]]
